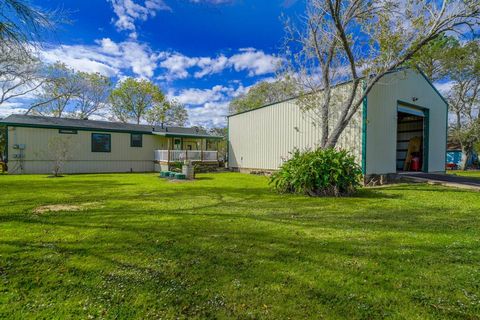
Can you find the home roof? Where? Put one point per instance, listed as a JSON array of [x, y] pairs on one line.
[[94, 125]]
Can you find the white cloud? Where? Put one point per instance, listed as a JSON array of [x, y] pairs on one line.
[[208, 107], [106, 57], [128, 12], [7, 108], [177, 66], [211, 114], [210, 66], [195, 96], [212, 1], [109, 47], [117, 58], [253, 61]]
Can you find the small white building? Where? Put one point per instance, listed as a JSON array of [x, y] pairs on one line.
[[35, 143], [402, 105]]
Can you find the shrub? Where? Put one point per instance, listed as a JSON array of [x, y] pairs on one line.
[[321, 172], [176, 166]]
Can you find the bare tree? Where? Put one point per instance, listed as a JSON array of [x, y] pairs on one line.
[[361, 41], [20, 72], [464, 98], [57, 92], [59, 151], [21, 24]]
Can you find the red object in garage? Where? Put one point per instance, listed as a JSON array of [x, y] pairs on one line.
[[415, 165]]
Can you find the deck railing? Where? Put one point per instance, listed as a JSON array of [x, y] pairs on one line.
[[182, 155]]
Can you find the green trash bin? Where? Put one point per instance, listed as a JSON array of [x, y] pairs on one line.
[[180, 176], [163, 174]]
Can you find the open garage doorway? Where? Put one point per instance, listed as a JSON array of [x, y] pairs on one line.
[[412, 142]]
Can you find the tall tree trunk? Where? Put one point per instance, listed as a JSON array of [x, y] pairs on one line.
[[466, 154]]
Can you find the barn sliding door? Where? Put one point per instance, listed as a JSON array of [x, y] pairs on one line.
[[411, 123]]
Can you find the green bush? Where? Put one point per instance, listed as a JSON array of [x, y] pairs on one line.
[[176, 166], [321, 172]]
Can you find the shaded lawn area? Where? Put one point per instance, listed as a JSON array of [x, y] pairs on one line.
[[225, 246], [467, 173]]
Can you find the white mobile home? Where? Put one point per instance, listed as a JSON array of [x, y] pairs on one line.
[[401, 106], [101, 146]]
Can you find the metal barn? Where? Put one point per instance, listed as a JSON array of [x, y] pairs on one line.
[[403, 106]]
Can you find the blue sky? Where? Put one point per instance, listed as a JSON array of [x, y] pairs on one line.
[[200, 52]]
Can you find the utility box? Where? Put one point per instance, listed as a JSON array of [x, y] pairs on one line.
[[19, 146], [188, 170]]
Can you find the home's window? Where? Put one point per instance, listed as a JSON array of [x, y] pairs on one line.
[[65, 131], [136, 140], [101, 142]]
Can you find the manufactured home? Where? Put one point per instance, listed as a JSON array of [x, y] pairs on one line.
[[35, 143], [402, 107]]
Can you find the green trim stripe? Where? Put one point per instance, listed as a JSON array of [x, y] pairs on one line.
[[6, 145], [364, 132], [426, 140], [43, 126], [166, 134], [446, 138], [187, 135], [228, 141]]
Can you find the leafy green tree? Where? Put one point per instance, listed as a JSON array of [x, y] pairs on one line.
[[220, 132], [261, 94], [169, 113], [176, 115], [221, 145], [435, 58], [132, 99]]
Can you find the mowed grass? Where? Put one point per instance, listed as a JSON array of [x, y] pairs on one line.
[[467, 173], [225, 246]]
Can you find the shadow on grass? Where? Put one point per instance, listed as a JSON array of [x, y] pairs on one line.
[[234, 250], [187, 264]]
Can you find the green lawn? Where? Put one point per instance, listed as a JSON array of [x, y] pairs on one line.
[[225, 246], [468, 173]]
